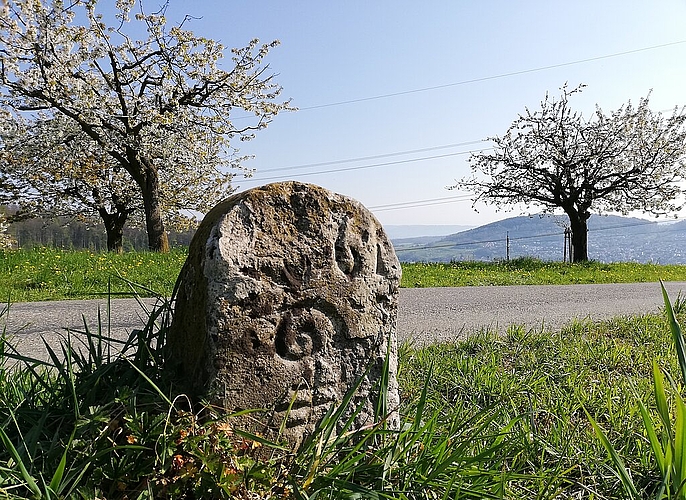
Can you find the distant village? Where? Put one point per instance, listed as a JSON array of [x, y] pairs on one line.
[[610, 239]]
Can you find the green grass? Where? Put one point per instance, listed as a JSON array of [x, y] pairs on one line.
[[52, 274], [542, 382], [591, 411], [527, 271], [489, 417]]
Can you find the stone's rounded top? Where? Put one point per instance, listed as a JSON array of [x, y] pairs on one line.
[[299, 215], [275, 191], [279, 194], [288, 295]]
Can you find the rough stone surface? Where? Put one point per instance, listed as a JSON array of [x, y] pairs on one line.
[[288, 297]]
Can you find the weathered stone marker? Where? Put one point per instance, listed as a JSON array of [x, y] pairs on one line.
[[288, 295]]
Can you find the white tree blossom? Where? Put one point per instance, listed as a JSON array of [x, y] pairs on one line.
[[631, 159], [6, 240], [50, 168], [158, 110]]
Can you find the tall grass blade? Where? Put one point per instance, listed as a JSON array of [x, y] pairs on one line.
[[680, 447], [152, 384], [670, 455], [28, 479], [621, 470], [655, 444], [261, 440], [677, 335], [661, 400], [57, 478]]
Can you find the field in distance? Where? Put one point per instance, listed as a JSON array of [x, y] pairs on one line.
[[53, 274]]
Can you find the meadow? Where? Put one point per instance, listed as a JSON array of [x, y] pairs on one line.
[[529, 271], [593, 410], [54, 274]]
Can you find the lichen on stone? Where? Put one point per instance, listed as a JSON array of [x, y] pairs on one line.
[[288, 296]]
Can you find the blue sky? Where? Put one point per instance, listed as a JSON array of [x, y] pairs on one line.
[[479, 61]]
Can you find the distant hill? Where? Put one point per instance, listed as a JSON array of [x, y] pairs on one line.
[[610, 239]]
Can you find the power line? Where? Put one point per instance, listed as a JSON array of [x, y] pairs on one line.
[[363, 167], [479, 242], [373, 157], [420, 203], [621, 226], [493, 77], [436, 87], [517, 238], [481, 79]]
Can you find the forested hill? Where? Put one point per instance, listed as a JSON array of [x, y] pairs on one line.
[[610, 239]]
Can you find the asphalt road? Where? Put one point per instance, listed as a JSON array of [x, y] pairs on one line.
[[440, 314], [425, 314]]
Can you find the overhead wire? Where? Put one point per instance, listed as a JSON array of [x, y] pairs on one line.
[[436, 87], [362, 167], [476, 242], [374, 157], [492, 77], [420, 203], [437, 201]]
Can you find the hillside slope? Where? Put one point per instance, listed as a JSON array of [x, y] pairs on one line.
[[610, 239]]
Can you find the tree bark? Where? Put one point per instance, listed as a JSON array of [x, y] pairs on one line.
[[146, 176], [578, 222], [115, 239], [158, 240], [114, 228]]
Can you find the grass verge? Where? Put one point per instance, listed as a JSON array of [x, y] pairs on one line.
[[51, 274], [528, 271], [489, 417]]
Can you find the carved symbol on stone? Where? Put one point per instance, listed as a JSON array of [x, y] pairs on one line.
[[288, 295]]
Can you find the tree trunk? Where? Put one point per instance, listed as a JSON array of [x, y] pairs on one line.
[[115, 239], [146, 176], [578, 225], [114, 227], [150, 189]]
